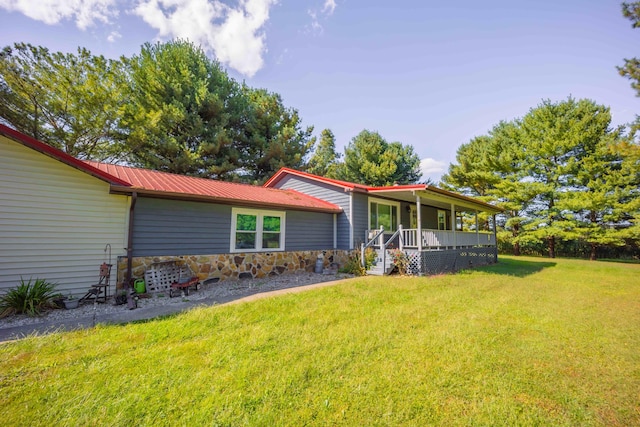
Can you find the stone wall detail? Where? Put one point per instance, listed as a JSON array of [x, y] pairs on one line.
[[246, 265]]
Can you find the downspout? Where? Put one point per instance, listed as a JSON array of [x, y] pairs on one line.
[[134, 199]]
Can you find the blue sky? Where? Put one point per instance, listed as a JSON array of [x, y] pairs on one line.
[[431, 74]]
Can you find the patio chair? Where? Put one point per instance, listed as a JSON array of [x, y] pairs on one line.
[[100, 291]]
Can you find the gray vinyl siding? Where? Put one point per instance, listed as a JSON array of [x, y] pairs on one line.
[[173, 227], [405, 214], [306, 231], [360, 217], [331, 194], [430, 217]]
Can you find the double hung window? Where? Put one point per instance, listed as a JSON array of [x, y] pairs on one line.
[[256, 231], [442, 220], [383, 213]]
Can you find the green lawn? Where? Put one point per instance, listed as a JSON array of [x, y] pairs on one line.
[[529, 341]]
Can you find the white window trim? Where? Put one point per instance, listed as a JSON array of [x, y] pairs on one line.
[[413, 216], [260, 214], [444, 213], [382, 202]]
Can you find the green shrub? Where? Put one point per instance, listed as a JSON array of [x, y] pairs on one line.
[[370, 255], [28, 298], [354, 264], [400, 260]]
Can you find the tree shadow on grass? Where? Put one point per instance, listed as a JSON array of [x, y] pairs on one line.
[[517, 267]]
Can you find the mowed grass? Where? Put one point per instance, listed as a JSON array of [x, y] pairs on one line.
[[529, 341]]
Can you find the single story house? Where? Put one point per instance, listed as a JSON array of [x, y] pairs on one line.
[[422, 220], [61, 217]]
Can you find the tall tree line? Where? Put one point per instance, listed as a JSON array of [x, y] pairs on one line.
[[173, 109], [562, 173], [169, 108]]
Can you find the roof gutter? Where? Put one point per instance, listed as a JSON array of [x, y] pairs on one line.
[[221, 200]]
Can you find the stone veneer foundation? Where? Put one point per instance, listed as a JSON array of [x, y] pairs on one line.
[[241, 265]]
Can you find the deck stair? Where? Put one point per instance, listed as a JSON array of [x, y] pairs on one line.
[[377, 269]]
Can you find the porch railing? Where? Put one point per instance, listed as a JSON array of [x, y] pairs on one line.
[[435, 239]]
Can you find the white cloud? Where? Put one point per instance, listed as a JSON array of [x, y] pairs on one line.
[[233, 34], [84, 12], [282, 56], [315, 24], [432, 168], [114, 36], [329, 6]]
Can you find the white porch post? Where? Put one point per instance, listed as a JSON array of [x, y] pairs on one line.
[[400, 238], [495, 235], [419, 223], [477, 231], [453, 225], [381, 238]]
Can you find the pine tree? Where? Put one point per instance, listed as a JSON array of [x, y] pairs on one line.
[[369, 159], [325, 159]]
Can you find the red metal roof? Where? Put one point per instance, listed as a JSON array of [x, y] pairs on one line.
[[351, 186], [335, 182], [126, 179], [343, 184], [158, 183]]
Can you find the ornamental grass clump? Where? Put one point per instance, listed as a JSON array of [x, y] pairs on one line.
[[354, 263], [28, 298]]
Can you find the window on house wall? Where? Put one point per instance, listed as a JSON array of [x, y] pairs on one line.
[[413, 216], [254, 230], [383, 214], [442, 220]]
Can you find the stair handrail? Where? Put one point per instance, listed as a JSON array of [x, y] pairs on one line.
[[383, 247], [369, 243], [388, 242]]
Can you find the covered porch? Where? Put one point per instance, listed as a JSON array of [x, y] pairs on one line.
[[426, 224]]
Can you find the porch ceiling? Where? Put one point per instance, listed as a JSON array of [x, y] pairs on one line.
[[436, 197]]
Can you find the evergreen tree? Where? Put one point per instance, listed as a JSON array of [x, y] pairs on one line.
[[490, 168], [182, 114], [596, 203], [631, 67], [273, 137], [71, 102], [560, 173], [369, 159], [325, 160], [557, 139]]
